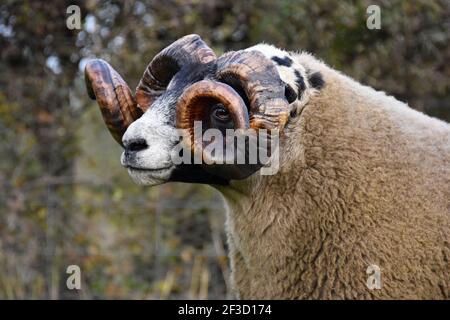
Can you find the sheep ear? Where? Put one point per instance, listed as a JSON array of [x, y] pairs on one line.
[[290, 94]]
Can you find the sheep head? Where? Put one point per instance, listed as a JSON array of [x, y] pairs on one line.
[[184, 85]]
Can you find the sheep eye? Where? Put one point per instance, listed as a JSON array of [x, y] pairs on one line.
[[220, 113]]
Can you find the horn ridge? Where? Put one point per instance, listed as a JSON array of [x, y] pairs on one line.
[[262, 84], [114, 97], [167, 63]]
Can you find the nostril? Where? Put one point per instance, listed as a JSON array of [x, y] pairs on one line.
[[137, 145]]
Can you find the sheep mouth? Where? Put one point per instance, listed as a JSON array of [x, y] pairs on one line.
[[155, 170], [132, 165], [150, 177]]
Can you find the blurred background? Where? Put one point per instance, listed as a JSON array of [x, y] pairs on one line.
[[64, 198]]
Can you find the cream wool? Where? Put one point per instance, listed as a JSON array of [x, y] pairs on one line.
[[364, 180]]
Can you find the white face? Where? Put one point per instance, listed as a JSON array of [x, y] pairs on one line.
[[151, 165]]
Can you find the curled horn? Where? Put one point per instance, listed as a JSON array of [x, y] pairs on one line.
[[194, 105], [113, 95], [117, 104], [242, 75], [159, 72], [258, 78]]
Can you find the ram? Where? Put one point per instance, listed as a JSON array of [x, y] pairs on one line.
[[363, 180]]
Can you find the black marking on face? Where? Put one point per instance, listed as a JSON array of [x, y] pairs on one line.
[[194, 173], [316, 80], [301, 87], [193, 73], [293, 113], [286, 61], [290, 94]]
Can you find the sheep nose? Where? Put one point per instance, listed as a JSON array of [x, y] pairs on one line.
[[135, 145]]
